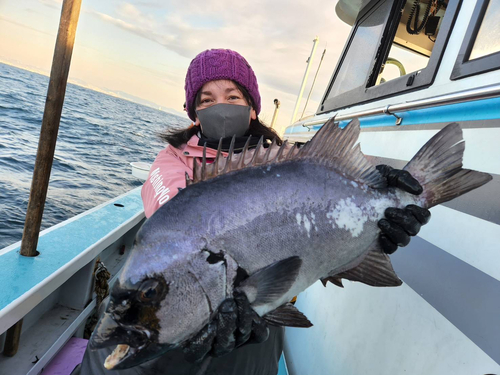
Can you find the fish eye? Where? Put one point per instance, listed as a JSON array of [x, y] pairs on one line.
[[151, 290]]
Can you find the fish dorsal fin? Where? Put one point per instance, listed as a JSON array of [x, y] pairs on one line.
[[331, 146], [287, 315], [335, 148], [375, 270], [260, 155]]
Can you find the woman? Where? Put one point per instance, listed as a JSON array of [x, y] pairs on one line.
[[223, 100]]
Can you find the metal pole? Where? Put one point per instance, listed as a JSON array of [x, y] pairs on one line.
[[50, 124], [304, 80], [277, 104], [314, 81]]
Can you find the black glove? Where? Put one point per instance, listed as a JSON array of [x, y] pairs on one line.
[[400, 224], [400, 179], [234, 325]]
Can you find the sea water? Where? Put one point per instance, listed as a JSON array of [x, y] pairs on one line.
[[99, 136]]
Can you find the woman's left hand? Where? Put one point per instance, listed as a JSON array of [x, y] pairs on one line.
[[400, 224]]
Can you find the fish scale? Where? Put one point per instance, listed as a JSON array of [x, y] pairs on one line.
[[326, 246], [245, 228]]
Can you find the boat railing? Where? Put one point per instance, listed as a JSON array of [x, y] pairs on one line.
[[487, 92]]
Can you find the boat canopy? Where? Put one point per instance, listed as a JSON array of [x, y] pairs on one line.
[[348, 10]]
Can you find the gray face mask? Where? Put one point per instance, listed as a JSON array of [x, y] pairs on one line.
[[224, 120]]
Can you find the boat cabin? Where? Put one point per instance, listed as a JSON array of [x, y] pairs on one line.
[[408, 69]]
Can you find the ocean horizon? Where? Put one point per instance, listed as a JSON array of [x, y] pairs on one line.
[[99, 136], [118, 94]]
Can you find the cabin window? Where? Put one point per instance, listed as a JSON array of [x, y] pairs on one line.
[[414, 41], [480, 51], [367, 34], [394, 46]]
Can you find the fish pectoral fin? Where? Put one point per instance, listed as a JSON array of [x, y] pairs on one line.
[[334, 280], [287, 315], [375, 270], [270, 283]]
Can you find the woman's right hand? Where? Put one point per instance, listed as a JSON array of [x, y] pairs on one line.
[[235, 324]]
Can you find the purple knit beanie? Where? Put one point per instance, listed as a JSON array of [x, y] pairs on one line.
[[215, 64]]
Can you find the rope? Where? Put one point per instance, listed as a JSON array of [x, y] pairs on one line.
[[101, 289], [101, 286]]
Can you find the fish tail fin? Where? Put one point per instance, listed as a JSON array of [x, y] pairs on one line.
[[438, 168]]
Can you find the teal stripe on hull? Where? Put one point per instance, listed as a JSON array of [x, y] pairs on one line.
[[58, 247], [487, 109]]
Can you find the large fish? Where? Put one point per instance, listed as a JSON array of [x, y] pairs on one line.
[[282, 222]]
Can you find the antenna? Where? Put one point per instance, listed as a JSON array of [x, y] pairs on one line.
[[314, 81], [304, 80]]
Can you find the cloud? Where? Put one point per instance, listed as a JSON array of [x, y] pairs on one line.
[[151, 3], [275, 36], [129, 10], [142, 31], [52, 3], [24, 26]]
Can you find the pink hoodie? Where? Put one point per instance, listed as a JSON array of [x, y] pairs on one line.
[[168, 173]]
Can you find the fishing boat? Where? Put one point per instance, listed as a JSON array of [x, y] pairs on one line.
[[408, 69]]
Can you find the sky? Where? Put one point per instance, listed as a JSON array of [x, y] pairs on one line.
[[143, 47]]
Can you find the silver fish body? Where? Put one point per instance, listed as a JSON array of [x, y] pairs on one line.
[[320, 207], [284, 212]]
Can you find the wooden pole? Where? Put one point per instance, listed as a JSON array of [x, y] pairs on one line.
[[12, 339], [47, 144], [50, 124]]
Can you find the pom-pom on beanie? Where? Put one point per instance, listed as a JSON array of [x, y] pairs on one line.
[[215, 64]]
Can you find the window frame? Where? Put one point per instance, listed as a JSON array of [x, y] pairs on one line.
[[463, 66], [409, 82]]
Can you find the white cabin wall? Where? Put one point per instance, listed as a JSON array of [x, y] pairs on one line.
[[481, 152], [378, 331]]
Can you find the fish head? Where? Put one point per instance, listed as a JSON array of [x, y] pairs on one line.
[[164, 295], [131, 323]]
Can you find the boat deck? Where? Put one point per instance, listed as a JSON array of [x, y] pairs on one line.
[[61, 247], [52, 292]]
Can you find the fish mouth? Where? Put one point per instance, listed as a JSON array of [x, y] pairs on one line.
[[134, 344], [125, 356]]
